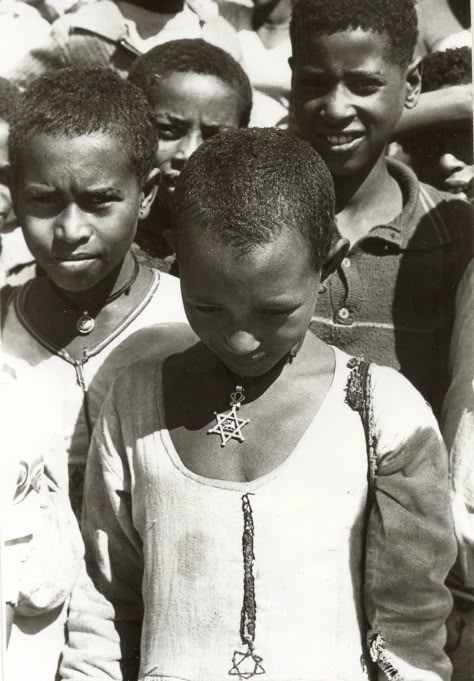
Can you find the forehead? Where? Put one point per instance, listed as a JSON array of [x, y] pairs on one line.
[[208, 260], [53, 159], [189, 94], [347, 50]]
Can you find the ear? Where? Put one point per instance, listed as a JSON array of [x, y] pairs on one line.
[[149, 190], [335, 256], [413, 78]]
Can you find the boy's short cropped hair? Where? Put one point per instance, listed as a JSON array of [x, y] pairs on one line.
[[395, 19], [9, 94], [193, 56], [443, 69], [246, 186], [72, 102]]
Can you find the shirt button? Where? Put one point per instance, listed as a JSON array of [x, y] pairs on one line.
[[346, 263], [344, 313]]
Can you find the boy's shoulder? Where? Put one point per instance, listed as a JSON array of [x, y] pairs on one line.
[[169, 340], [430, 218]]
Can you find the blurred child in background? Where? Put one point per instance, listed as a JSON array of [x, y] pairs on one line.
[[195, 90], [443, 156], [110, 34], [16, 262]]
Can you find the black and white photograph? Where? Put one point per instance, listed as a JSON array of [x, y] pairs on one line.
[[237, 340]]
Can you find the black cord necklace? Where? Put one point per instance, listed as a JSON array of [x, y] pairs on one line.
[[228, 424], [86, 322]]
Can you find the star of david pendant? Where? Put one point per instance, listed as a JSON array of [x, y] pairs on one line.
[[228, 425], [85, 324], [246, 664]]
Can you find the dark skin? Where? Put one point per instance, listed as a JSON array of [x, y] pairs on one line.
[[79, 203], [56, 321], [348, 97], [294, 391], [249, 312]]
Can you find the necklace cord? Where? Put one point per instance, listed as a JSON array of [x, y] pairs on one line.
[[123, 289]]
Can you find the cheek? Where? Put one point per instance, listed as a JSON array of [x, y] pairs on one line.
[[39, 237]]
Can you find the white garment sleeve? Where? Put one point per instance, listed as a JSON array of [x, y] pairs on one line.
[[458, 423], [410, 537], [106, 610]]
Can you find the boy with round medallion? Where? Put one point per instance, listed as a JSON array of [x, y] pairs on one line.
[[82, 154]]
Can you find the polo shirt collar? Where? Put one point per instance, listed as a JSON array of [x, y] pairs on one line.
[[408, 230]]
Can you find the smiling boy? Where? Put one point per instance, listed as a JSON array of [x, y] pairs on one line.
[[392, 299]]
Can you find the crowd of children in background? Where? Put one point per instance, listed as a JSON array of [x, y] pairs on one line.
[[209, 212]]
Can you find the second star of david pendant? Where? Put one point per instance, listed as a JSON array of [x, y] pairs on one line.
[[228, 425]]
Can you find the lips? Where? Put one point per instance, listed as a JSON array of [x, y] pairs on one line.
[[74, 257], [246, 365], [74, 262], [341, 141]]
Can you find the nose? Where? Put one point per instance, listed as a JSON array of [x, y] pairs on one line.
[[337, 106], [186, 146], [242, 342], [71, 225]]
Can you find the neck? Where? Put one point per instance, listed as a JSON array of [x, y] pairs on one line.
[[274, 16], [354, 192], [95, 297], [366, 199]]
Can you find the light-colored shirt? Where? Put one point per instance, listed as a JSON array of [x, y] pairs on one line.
[[170, 561], [458, 429], [75, 390]]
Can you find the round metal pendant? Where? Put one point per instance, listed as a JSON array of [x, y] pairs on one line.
[[85, 324]]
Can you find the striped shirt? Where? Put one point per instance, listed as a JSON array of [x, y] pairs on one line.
[[393, 297]]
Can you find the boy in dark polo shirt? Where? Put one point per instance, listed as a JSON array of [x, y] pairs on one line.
[[393, 297]]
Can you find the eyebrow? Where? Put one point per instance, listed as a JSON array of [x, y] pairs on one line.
[[171, 117], [100, 190], [312, 71]]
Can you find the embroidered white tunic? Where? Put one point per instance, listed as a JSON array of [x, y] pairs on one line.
[[166, 546]]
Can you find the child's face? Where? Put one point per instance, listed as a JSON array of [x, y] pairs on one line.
[[5, 196], [444, 159], [189, 108], [348, 97], [251, 309], [78, 202]]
